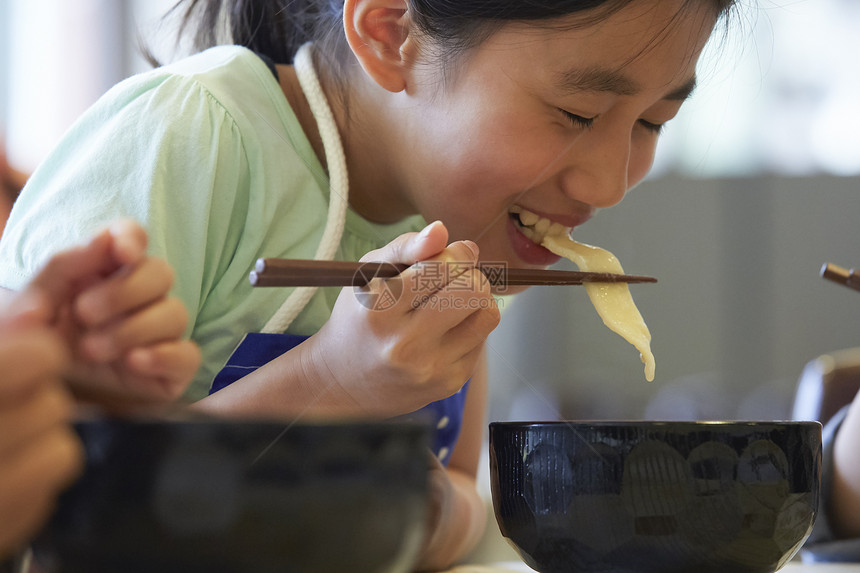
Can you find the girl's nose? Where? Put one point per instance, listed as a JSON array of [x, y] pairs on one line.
[[597, 168]]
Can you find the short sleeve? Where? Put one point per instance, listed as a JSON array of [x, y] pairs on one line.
[[157, 149]]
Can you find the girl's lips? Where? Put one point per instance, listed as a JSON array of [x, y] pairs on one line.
[[526, 249]]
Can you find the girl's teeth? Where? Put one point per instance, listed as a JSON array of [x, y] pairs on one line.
[[534, 226], [528, 219]]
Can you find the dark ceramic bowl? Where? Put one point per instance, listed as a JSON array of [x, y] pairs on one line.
[[214, 496], [657, 497]]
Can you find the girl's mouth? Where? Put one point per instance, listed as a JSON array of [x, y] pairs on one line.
[[534, 226], [526, 230]]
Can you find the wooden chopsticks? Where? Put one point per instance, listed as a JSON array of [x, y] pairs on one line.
[[841, 275], [270, 272]]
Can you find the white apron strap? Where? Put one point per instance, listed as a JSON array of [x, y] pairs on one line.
[[338, 186]]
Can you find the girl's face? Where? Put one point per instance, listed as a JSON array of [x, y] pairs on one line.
[[557, 122]]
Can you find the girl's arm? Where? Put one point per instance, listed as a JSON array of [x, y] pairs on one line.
[[381, 362], [458, 517], [844, 505]]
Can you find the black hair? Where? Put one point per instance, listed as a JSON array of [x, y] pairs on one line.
[[277, 28]]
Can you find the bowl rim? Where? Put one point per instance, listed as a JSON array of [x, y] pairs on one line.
[[655, 423], [286, 424]]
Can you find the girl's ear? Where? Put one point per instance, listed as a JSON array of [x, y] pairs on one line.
[[378, 33]]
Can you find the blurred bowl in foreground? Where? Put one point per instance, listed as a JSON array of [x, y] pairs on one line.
[[661, 497], [226, 496]]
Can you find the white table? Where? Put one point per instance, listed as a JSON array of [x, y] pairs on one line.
[[520, 567]]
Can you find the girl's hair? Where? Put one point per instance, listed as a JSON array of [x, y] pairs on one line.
[[276, 28]]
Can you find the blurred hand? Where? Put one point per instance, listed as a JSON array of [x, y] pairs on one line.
[[39, 453], [110, 301]]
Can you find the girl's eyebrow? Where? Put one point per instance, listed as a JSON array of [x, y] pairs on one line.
[[595, 79], [682, 92]]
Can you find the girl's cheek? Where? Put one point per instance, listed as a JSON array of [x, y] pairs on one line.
[[640, 164]]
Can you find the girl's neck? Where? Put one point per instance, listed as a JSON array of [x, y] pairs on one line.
[[373, 189], [299, 103]]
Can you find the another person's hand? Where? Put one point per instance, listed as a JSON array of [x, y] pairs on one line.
[[111, 302], [39, 453], [390, 356]]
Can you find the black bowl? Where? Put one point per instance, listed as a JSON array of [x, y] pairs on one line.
[[659, 497], [216, 497]]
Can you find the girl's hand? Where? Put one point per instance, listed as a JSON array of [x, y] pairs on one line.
[[402, 343], [111, 302], [39, 453]]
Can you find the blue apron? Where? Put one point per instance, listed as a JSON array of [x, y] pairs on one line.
[[257, 349]]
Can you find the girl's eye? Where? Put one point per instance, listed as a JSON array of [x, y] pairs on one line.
[[578, 120], [655, 128]]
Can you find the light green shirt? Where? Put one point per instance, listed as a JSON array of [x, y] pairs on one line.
[[208, 156]]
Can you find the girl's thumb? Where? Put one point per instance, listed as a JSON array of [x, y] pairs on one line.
[[412, 247], [432, 240]]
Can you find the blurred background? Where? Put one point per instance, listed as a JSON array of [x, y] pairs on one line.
[[755, 187]]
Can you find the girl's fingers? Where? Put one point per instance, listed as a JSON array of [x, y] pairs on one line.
[[173, 364], [458, 370], [156, 323], [434, 267], [472, 331], [460, 348], [410, 248], [124, 292], [129, 242], [454, 269], [463, 295]]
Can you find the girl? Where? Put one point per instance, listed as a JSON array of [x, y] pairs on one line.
[[98, 313], [335, 130]]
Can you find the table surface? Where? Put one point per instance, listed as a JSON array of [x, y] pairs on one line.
[[793, 567]]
